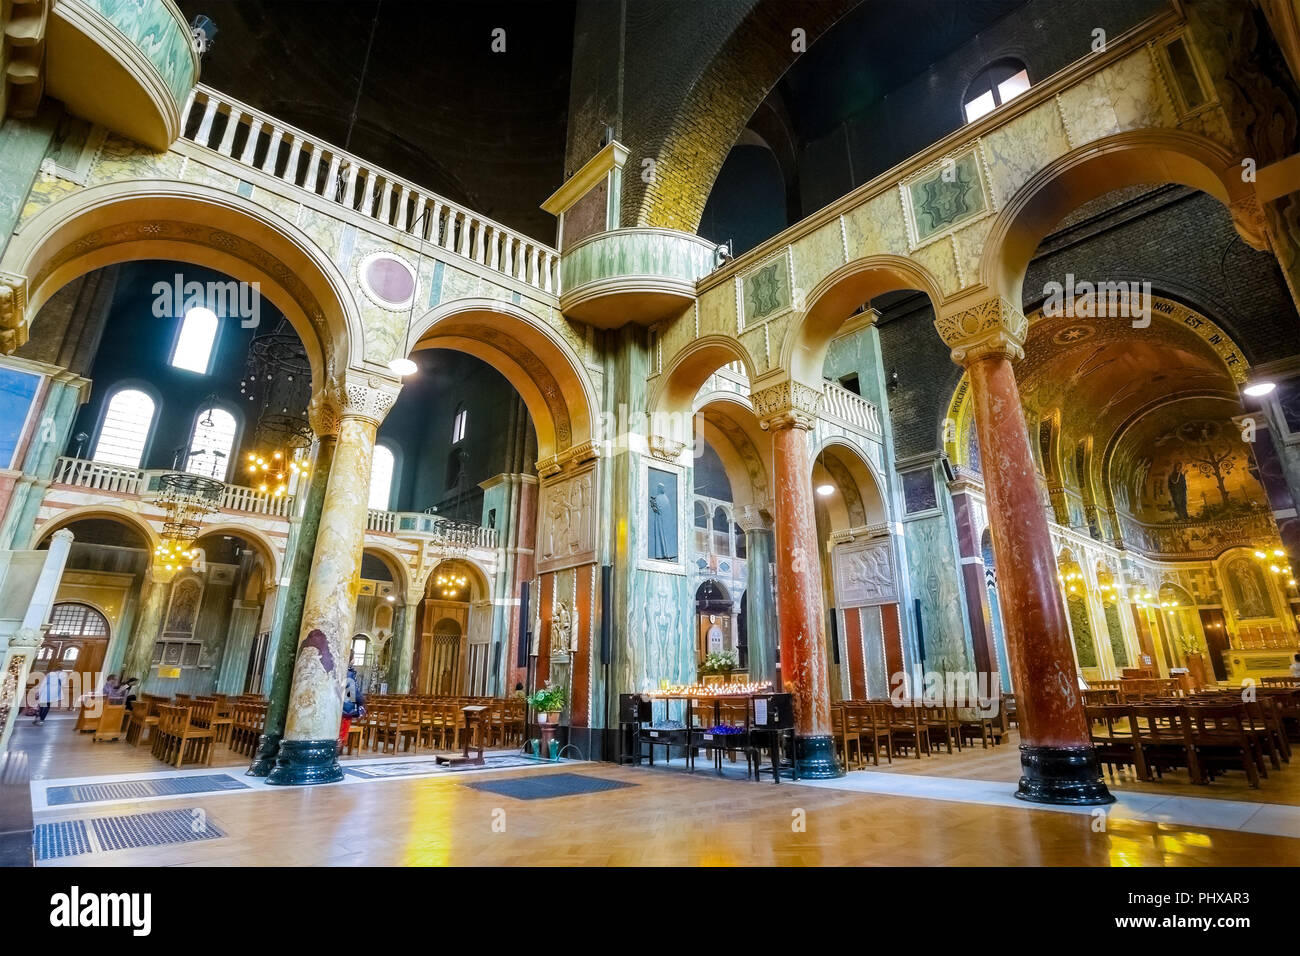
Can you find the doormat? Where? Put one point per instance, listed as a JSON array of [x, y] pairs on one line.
[[138, 789], [546, 786]]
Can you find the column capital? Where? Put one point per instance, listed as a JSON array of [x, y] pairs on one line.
[[754, 517], [13, 312], [991, 327], [354, 395], [787, 404]]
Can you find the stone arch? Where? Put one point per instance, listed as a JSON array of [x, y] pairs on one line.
[[395, 564], [691, 367], [837, 297], [1094, 169], [186, 222], [481, 580], [859, 500], [131, 519], [543, 365], [270, 552], [728, 423]]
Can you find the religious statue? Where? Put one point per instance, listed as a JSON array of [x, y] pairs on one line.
[[1178, 490], [663, 526], [564, 629]]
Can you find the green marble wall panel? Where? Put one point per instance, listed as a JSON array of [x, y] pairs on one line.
[[23, 144], [636, 252], [159, 33], [932, 568]]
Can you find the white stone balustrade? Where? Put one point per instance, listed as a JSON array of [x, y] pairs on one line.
[[263, 143]]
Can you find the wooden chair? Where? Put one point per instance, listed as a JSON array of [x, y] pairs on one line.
[[907, 730], [847, 743], [1222, 741], [176, 741], [1165, 737], [110, 722], [872, 728], [1115, 739], [974, 725], [143, 718], [941, 726]]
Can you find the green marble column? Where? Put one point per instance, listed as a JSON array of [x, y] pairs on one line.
[[285, 643], [149, 620], [399, 659], [760, 605]]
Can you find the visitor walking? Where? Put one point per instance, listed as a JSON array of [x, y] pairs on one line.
[[49, 693]]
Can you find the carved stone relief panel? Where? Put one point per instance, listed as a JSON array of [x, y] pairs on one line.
[[864, 573], [566, 521]]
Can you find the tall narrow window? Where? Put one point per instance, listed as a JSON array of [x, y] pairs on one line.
[[458, 425], [193, 350], [381, 478], [212, 444], [999, 83], [125, 430]]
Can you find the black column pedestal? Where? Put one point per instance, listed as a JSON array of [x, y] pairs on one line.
[[305, 762], [1062, 775], [814, 758]]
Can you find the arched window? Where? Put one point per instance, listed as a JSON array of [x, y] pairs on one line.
[[212, 444], [459, 424], [125, 429], [381, 478], [360, 644], [998, 83], [193, 351], [77, 620]]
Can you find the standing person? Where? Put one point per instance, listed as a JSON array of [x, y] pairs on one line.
[[49, 693], [353, 705]]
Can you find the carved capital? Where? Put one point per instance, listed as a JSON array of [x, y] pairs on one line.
[[13, 312], [754, 517], [787, 404], [665, 449], [27, 638], [368, 397], [1250, 222], [993, 327]]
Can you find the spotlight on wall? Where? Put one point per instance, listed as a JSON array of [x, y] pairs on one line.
[[402, 366], [1256, 389], [825, 490]]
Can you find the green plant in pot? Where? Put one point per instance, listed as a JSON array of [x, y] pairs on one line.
[[719, 663], [548, 702]]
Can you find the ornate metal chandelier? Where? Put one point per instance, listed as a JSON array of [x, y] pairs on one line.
[[277, 382]]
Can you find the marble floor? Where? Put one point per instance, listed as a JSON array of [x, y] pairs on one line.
[[935, 814]]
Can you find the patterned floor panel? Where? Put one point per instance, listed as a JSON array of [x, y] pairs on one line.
[[550, 785], [137, 789], [122, 832]]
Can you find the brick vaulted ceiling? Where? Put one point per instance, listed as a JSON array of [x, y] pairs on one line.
[[438, 106]]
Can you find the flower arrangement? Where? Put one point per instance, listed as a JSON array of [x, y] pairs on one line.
[[548, 700], [720, 662]]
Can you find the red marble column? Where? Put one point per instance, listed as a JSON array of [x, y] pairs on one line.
[[804, 670], [1058, 759]]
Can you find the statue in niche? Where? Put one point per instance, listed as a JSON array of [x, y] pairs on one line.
[[663, 525], [1178, 490], [564, 629], [1248, 588]]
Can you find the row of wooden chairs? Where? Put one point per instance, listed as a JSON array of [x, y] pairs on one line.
[[892, 728], [435, 723], [1203, 734], [177, 740], [247, 723]]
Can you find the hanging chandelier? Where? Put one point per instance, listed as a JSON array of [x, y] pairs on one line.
[[185, 499], [451, 583], [277, 382]]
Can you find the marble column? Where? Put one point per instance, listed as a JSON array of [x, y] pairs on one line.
[[760, 604], [1059, 764], [789, 411], [308, 752], [25, 642], [284, 644], [978, 613], [148, 624], [400, 657]]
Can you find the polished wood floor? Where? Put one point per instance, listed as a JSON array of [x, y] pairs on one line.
[[667, 817]]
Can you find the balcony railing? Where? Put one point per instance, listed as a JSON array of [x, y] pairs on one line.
[[120, 480], [262, 142], [457, 535], [853, 410]]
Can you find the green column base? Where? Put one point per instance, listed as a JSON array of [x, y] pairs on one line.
[[815, 759], [268, 748], [303, 762]]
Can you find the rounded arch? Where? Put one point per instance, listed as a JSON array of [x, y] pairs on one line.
[[395, 564], [258, 540], [543, 367], [837, 297], [187, 222], [480, 580], [690, 368], [728, 424], [1087, 172], [705, 590], [858, 496], [106, 511]]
